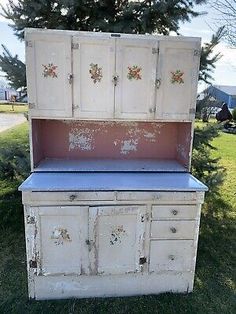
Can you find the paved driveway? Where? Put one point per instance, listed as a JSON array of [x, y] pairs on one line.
[[8, 120]]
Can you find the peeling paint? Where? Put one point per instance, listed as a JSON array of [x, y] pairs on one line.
[[182, 151], [128, 145], [81, 139]]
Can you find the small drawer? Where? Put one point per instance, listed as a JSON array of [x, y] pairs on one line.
[[173, 229], [172, 255], [175, 212]]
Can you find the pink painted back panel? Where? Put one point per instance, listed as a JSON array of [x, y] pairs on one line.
[[98, 139]]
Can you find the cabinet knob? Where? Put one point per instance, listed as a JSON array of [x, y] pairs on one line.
[[174, 212], [70, 78], [115, 79], [173, 230], [172, 257], [72, 197], [158, 83]]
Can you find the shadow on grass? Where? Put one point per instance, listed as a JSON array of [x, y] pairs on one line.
[[214, 290]]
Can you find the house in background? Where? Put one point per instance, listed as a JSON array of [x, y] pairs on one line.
[[7, 93], [222, 93]]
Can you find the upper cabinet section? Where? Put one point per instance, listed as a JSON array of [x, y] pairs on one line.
[[85, 75], [136, 73], [177, 78], [48, 62], [93, 70]]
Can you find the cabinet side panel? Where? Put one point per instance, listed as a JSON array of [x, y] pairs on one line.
[[184, 144], [37, 150]]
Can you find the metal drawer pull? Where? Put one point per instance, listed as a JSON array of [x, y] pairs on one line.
[[72, 197], [174, 212], [173, 229], [172, 257]]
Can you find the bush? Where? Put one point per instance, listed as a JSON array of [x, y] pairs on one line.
[[14, 162], [204, 167], [234, 114]]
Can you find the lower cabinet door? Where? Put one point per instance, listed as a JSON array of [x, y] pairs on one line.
[[61, 239], [175, 255], [116, 237]]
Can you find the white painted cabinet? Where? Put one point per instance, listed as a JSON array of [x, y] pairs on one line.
[[117, 235], [136, 62], [49, 84], [97, 76], [93, 70], [177, 78]]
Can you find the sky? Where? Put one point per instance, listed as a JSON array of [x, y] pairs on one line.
[[203, 26]]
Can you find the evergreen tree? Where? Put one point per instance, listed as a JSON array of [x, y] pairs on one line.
[[14, 69]]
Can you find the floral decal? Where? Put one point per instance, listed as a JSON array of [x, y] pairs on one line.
[[60, 235], [49, 70], [177, 77], [134, 72], [95, 72], [116, 234]]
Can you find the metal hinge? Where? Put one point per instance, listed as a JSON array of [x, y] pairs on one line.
[[33, 264], [155, 50], [75, 107], [75, 45], [31, 105], [28, 43], [30, 219], [192, 110], [197, 53]]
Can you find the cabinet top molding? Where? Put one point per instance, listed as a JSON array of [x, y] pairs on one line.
[[40, 31]]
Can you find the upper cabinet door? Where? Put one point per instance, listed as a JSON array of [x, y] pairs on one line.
[[117, 237], [93, 70], [136, 61], [48, 64], [177, 78]]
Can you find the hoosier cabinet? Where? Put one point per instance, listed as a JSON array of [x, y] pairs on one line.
[[111, 208]]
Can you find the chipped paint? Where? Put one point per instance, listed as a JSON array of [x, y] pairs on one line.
[[81, 139], [128, 146], [117, 233], [60, 235], [181, 149]]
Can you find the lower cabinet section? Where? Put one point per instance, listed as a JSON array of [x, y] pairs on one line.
[[117, 249]]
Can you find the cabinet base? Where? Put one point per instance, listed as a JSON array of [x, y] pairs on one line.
[[62, 287]]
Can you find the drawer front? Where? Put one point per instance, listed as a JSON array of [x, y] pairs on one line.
[[175, 212], [70, 197], [173, 229], [172, 255], [158, 196]]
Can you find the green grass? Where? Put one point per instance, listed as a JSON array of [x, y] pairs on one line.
[[214, 289], [16, 108]]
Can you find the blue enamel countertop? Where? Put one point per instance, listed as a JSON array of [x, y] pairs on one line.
[[118, 181]]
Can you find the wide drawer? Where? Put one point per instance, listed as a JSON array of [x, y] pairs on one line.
[[68, 197], [173, 229], [172, 255], [175, 212]]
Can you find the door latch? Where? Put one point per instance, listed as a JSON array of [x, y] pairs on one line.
[[158, 83], [115, 79], [70, 78]]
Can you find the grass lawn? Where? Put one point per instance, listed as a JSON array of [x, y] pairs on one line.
[[18, 108], [215, 287]]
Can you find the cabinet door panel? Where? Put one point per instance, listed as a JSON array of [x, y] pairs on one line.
[[136, 69], [48, 64], [118, 236], [62, 240], [93, 69], [178, 74]]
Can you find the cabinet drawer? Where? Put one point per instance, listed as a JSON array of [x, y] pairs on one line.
[[176, 255], [67, 197], [175, 212], [173, 229]]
